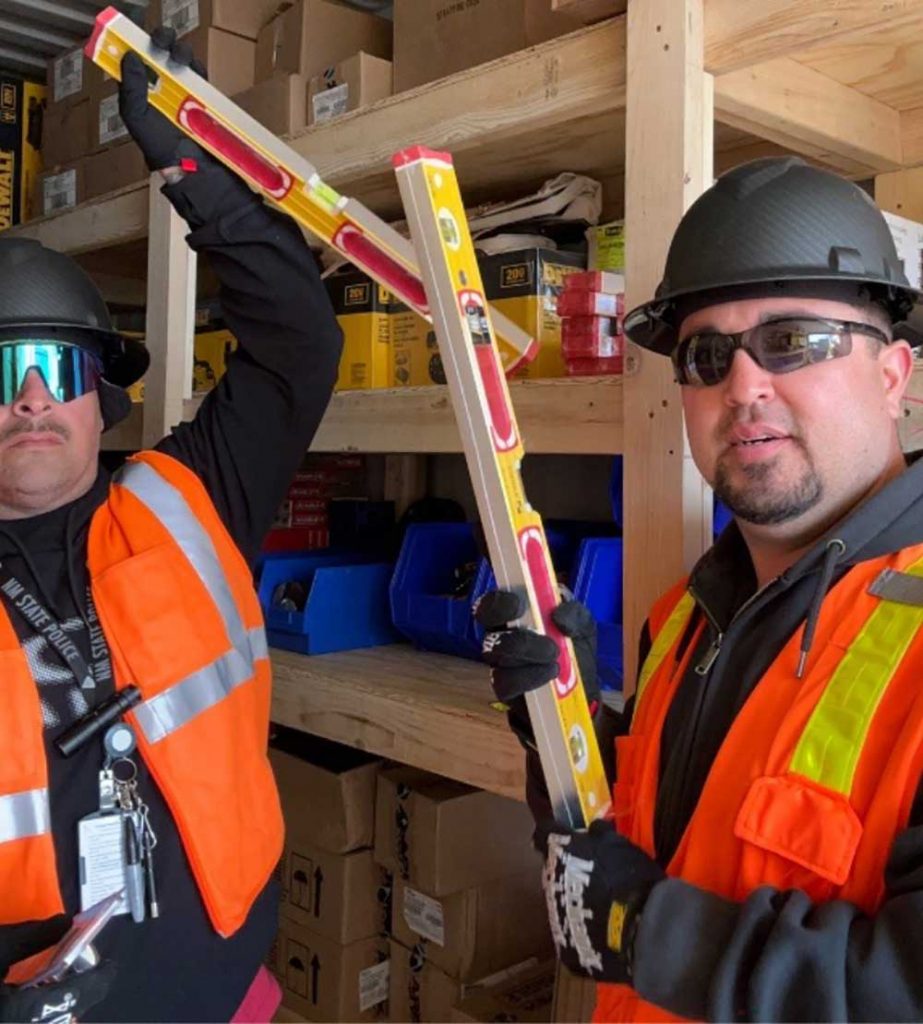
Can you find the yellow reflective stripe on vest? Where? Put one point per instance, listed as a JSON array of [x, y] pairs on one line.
[[832, 741], [664, 641], [189, 697], [24, 814]]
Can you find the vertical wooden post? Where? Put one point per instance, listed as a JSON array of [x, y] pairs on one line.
[[670, 130], [171, 275], [405, 480]]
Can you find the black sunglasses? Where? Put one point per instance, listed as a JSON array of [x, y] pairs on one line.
[[779, 346]]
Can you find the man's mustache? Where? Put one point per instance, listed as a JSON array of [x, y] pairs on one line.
[[49, 426]]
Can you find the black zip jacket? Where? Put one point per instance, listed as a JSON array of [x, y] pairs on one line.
[[247, 440], [776, 956]]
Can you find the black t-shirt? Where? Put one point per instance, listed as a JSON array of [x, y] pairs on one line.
[[245, 443]]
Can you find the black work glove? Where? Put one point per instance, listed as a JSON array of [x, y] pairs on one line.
[[161, 142], [522, 660], [59, 1001], [596, 883]]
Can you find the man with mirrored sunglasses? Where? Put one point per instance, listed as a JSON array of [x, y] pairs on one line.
[[132, 590], [764, 860]]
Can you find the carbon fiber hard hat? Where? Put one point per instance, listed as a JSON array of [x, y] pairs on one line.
[[46, 291], [774, 227]]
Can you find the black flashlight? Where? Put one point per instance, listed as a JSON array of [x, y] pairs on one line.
[[83, 730]]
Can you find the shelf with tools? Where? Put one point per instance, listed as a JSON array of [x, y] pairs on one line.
[[426, 710]]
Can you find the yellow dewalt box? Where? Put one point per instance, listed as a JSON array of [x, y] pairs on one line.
[[362, 308], [22, 106], [210, 353], [525, 285], [414, 350]]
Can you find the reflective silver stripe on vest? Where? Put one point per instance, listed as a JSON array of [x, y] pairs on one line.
[[161, 715], [24, 814]]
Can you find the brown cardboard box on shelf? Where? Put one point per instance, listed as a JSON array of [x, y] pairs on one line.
[[314, 34], [324, 981], [356, 82], [434, 38], [278, 103], [476, 932], [106, 125], [442, 836], [62, 188], [70, 78], [66, 132], [525, 995], [341, 896], [114, 168], [242, 17], [419, 990], [327, 789]]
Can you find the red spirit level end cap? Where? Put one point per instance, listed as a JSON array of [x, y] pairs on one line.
[[102, 20], [413, 154]]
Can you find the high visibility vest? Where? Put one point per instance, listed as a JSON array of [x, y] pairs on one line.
[[176, 603], [815, 778]]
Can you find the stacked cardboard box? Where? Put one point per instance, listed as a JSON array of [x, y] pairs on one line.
[[525, 995], [329, 956], [317, 55], [363, 310], [467, 893], [591, 308]]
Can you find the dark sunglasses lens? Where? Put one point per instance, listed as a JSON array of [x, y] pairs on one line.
[[704, 359], [67, 371], [786, 346]]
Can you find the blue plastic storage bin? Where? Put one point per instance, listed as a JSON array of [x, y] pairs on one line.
[[597, 583], [346, 607]]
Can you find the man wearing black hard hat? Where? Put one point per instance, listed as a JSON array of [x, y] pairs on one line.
[[134, 591], [765, 861]]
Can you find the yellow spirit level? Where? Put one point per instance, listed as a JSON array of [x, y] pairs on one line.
[[278, 173], [493, 448]]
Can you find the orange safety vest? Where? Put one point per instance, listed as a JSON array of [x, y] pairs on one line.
[[176, 603], [816, 776]]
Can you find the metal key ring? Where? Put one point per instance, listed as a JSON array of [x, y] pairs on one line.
[[134, 771]]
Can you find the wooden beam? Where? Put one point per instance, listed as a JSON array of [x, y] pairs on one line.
[[912, 137], [112, 219], [590, 11], [901, 192], [426, 710], [170, 317], [667, 506], [799, 108], [740, 33]]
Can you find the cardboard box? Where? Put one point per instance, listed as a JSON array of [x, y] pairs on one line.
[[315, 34], [340, 896], [69, 77], [436, 38], [908, 239], [356, 82], [574, 997], [228, 59], [66, 134], [525, 285], [114, 168], [414, 350], [606, 247], [442, 836], [63, 188], [324, 981], [107, 127], [242, 17], [362, 308], [476, 932], [327, 790], [21, 109], [278, 103], [526, 995], [419, 990]]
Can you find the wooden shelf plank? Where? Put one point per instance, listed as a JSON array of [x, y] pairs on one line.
[[590, 11], [426, 710], [568, 416]]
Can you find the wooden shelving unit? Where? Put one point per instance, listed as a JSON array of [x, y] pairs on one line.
[[653, 102]]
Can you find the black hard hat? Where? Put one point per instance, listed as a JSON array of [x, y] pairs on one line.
[[46, 291], [774, 226]]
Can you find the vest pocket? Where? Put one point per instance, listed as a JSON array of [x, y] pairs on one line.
[[158, 616], [796, 819]]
